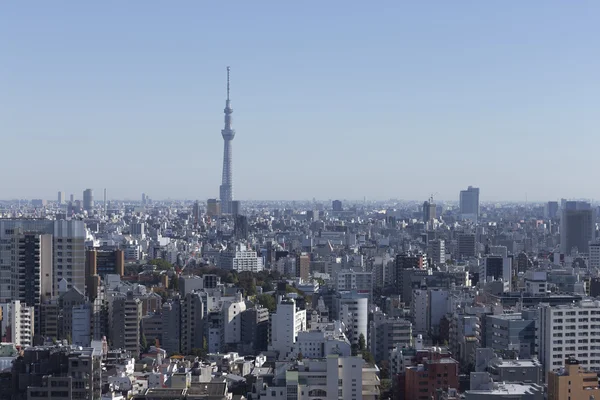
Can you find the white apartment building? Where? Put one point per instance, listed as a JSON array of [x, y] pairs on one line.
[[321, 343], [594, 261], [570, 330], [353, 311], [232, 319], [241, 259], [332, 378], [18, 323], [286, 323]]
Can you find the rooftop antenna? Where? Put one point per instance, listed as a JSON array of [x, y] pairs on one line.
[[228, 69]]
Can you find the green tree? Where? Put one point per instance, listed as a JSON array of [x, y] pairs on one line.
[[161, 264], [362, 343], [267, 301], [354, 349], [368, 357]]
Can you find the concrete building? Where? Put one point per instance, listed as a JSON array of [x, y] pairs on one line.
[[506, 391], [232, 319], [103, 262], [386, 333], [303, 266], [213, 207], [81, 325], [68, 251], [58, 373], [241, 259], [469, 204], [570, 331], [513, 332], [577, 227], [255, 328], [353, 311], [551, 210], [191, 283], [361, 282], [437, 307], [418, 310], [437, 252], [171, 326], [495, 268], [466, 245], [125, 318], [331, 378], [31, 270], [594, 260], [18, 323], [192, 326], [61, 198], [286, 322], [336, 205], [88, 200], [423, 381], [572, 382]]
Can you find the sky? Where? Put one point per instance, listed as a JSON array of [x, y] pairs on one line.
[[332, 99]]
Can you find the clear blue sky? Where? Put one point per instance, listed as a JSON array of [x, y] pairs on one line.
[[332, 99]]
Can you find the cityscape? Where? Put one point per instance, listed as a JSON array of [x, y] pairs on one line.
[[452, 296]]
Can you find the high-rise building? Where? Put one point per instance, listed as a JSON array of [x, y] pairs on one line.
[[126, 316], [286, 322], [352, 310], [192, 323], [429, 210], [574, 326], [466, 245], [437, 252], [213, 207], [68, 251], [61, 198], [226, 189], [171, 326], [240, 229], [551, 210], [20, 323], [303, 266], [336, 205], [469, 203], [88, 200], [577, 227], [235, 207]]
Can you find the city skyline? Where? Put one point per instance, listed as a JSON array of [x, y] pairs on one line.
[[440, 107]]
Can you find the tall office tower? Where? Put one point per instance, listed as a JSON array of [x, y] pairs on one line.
[[126, 316], [171, 326], [71, 198], [213, 207], [61, 198], [551, 209], [226, 189], [67, 253], [466, 245], [469, 203], [577, 227], [192, 322], [429, 210], [88, 200], [437, 252], [32, 270], [336, 205], [240, 229], [104, 202], [235, 207], [303, 266]]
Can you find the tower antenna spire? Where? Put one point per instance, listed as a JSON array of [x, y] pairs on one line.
[[228, 69]]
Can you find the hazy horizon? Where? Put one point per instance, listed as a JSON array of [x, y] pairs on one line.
[[331, 99]]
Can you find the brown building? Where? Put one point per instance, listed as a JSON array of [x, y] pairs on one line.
[[423, 381], [572, 383], [303, 266], [102, 262]]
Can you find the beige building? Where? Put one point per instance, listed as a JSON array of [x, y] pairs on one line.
[[572, 383]]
